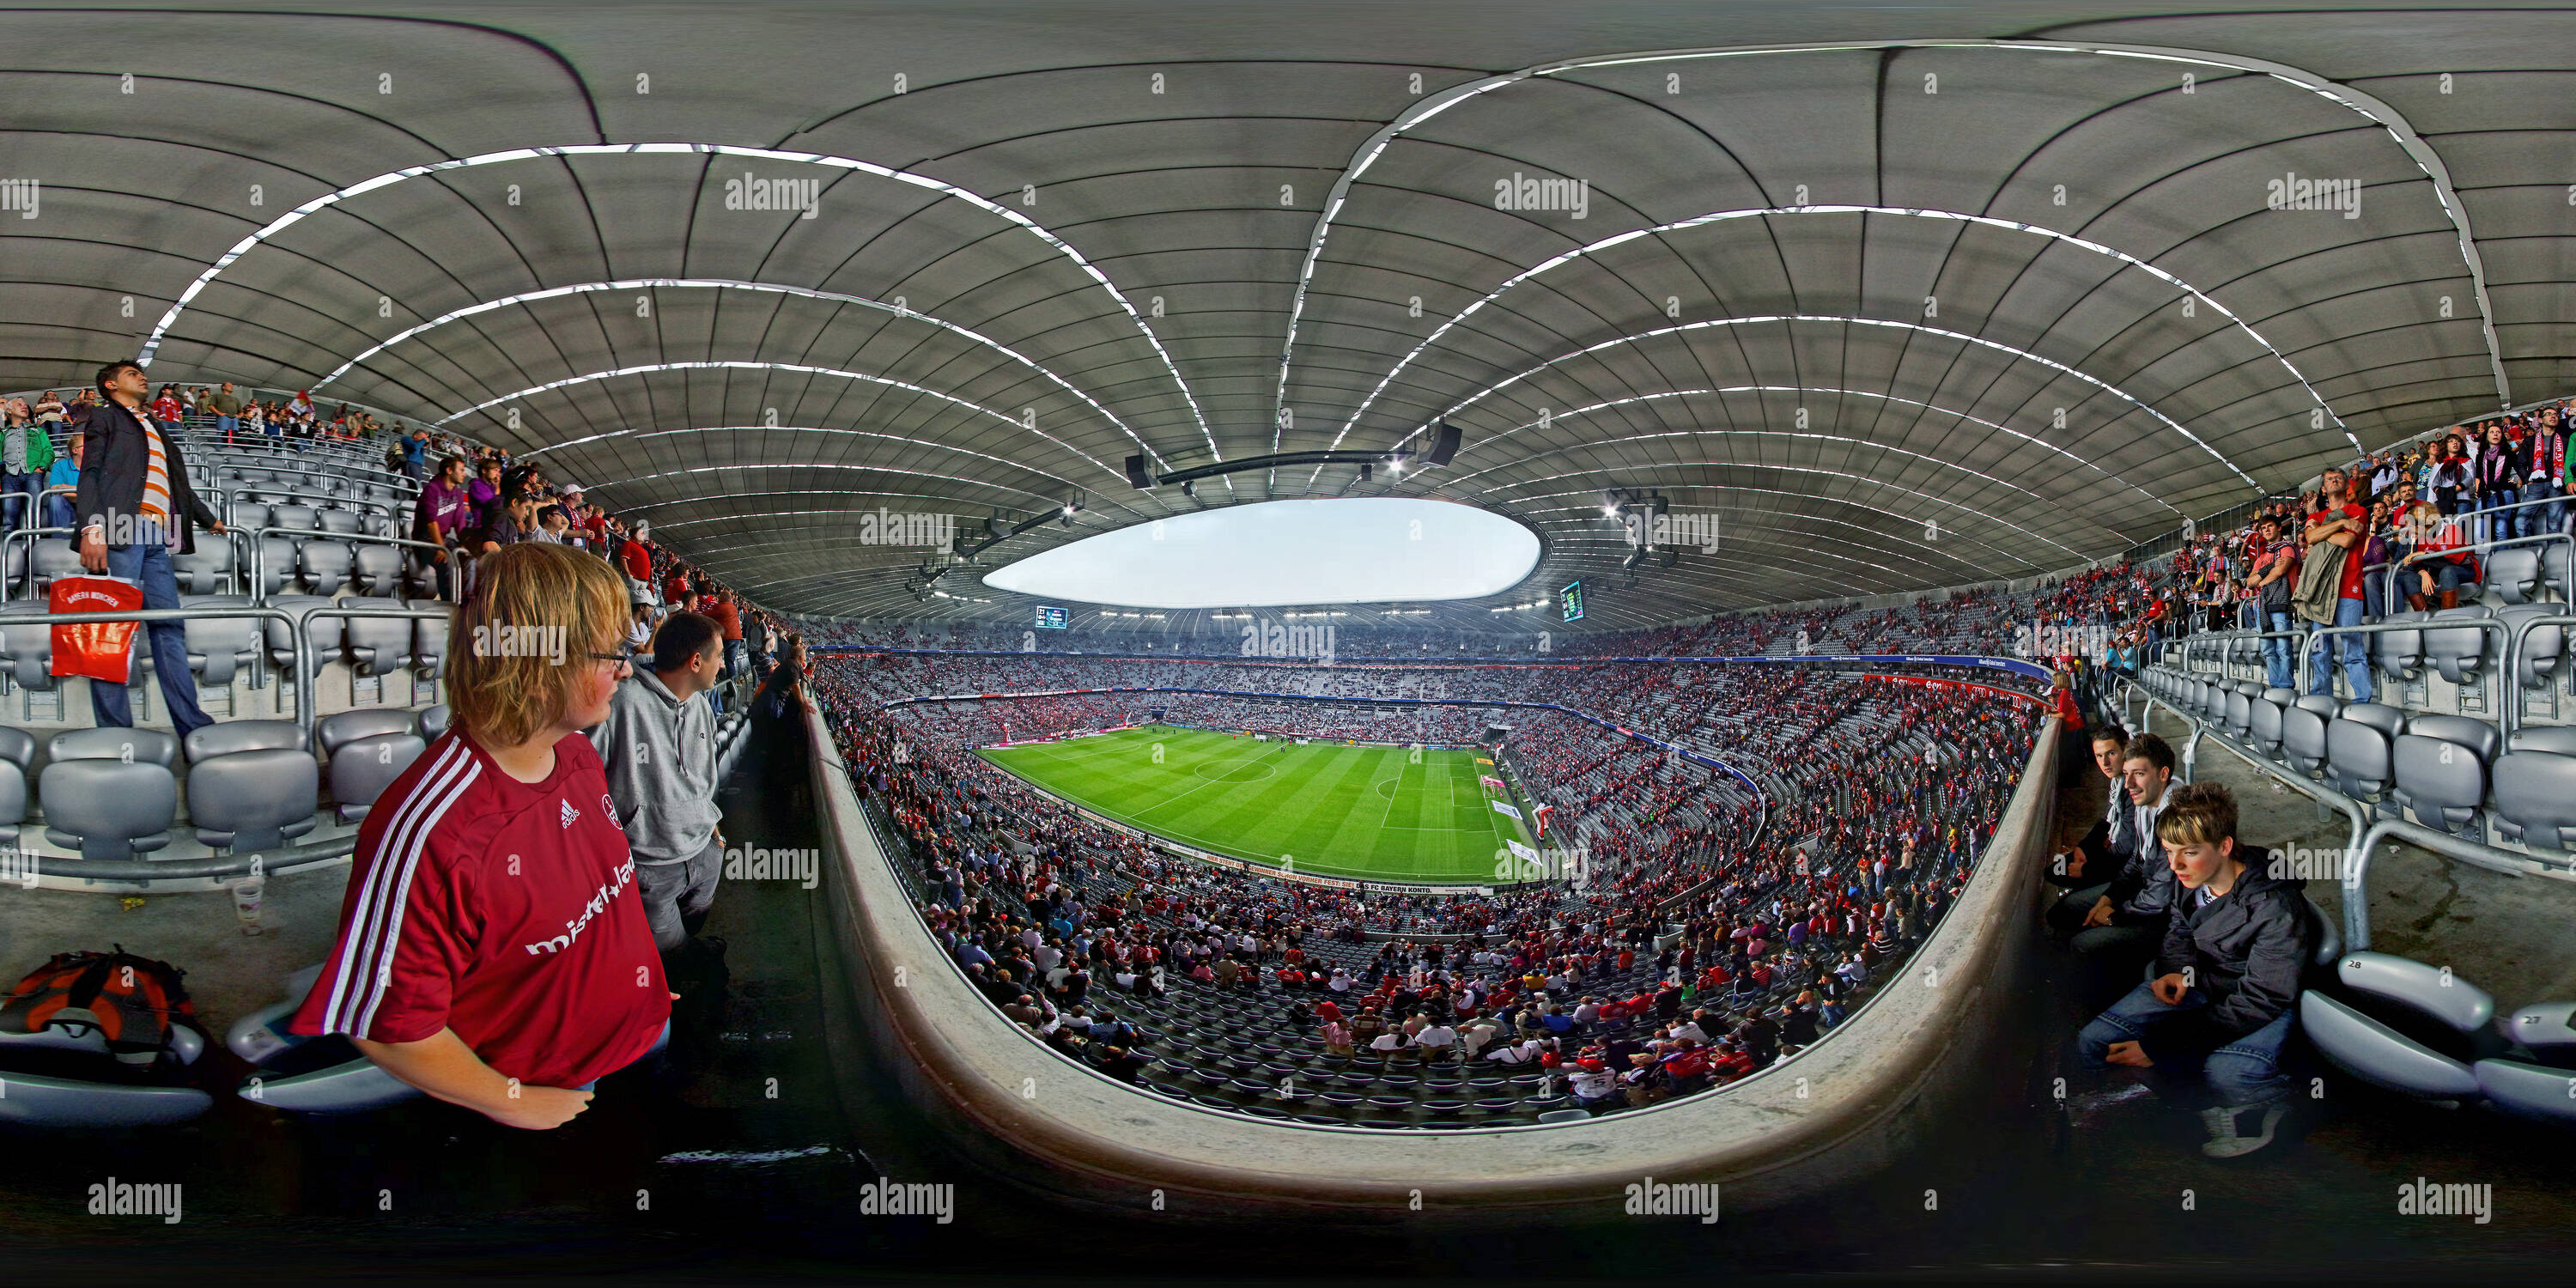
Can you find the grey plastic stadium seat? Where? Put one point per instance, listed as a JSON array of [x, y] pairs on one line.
[[56, 1103], [2407, 1026], [363, 768], [291, 516], [17, 751], [2548, 1031], [202, 573], [141, 746], [2240, 712], [2440, 764], [218, 647], [325, 565], [28, 647], [54, 557], [2553, 566], [2399, 655], [434, 721], [276, 563], [429, 642], [379, 570], [2543, 650], [305, 1074], [2460, 655], [107, 808], [227, 737], [2514, 573], [323, 632], [2526, 1090], [252, 800], [2535, 799], [2358, 749], [249, 516], [2557, 738], [338, 520], [334, 731]]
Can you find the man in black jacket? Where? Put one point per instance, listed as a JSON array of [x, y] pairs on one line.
[[2117, 925], [136, 511], [2225, 997]]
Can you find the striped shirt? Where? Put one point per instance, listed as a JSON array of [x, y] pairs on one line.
[[504, 911]]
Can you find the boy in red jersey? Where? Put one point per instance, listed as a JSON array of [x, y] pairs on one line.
[[493, 948]]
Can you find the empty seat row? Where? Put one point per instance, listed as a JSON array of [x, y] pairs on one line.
[[112, 794], [219, 647], [2447, 772]]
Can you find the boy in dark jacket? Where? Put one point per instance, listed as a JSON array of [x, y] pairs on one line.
[[2223, 1003]]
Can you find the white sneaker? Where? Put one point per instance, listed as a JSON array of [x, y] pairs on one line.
[[2223, 1141]]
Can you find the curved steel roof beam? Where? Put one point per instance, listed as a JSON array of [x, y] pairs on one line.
[[1723, 216], [1962, 336], [2377, 112], [152, 341], [728, 284], [799, 368]]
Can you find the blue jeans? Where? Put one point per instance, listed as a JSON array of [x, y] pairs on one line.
[[2277, 661], [2498, 527], [149, 566], [2539, 519], [15, 491], [2356, 655], [2246, 1071], [227, 426]]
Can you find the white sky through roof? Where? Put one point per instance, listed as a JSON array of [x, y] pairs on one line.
[[1368, 550]]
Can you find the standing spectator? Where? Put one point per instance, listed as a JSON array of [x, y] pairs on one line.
[[227, 407], [728, 614], [137, 509], [2274, 561], [2335, 533], [415, 456], [637, 562], [492, 949], [2548, 477], [26, 452], [441, 518], [659, 744], [165, 409]]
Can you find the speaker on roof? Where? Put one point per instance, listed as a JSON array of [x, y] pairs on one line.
[[1444, 444], [1136, 475]]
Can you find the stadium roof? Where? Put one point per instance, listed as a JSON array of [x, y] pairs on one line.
[[2000, 296]]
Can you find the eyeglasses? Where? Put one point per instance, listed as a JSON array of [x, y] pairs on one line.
[[624, 658]]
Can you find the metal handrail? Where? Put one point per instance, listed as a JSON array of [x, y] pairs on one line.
[[2356, 899], [297, 620], [391, 511], [259, 551], [2496, 624], [2388, 593], [2516, 632], [2351, 809]]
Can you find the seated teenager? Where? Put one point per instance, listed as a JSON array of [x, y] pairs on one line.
[[2210, 1028], [493, 949]]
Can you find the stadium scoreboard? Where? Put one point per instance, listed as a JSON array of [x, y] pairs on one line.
[[1572, 598], [1053, 619]]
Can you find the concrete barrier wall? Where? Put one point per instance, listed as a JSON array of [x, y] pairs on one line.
[[1925, 1046]]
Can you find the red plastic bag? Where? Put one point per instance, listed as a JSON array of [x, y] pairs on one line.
[[99, 650]]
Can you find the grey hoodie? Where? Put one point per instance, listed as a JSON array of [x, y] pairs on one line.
[[660, 753]]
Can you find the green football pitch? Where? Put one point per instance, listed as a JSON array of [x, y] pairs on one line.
[[1370, 812]]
